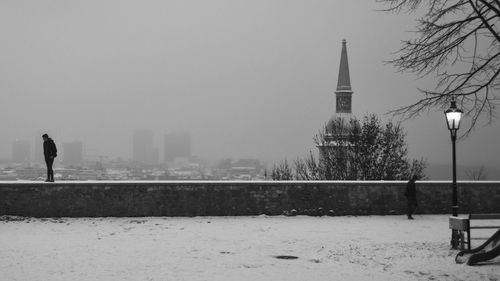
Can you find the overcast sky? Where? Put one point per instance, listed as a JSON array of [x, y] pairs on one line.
[[245, 78]]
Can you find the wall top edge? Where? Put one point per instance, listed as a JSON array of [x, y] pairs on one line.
[[226, 182]]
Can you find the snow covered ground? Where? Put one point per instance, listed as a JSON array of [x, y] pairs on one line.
[[234, 248]]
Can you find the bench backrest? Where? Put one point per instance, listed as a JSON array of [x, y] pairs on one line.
[[459, 223], [484, 216]]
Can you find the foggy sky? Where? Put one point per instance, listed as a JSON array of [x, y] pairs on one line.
[[245, 78]]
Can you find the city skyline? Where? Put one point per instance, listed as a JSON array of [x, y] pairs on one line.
[[242, 87]]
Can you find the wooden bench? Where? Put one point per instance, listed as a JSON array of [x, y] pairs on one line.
[[463, 225]]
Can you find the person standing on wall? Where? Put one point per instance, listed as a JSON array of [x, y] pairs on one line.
[[50, 152], [411, 196]]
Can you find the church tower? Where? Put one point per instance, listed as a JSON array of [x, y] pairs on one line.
[[344, 91], [337, 128]]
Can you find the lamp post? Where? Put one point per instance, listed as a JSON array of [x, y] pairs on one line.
[[453, 115]]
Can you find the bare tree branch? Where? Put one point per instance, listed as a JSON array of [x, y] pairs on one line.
[[453, 35]]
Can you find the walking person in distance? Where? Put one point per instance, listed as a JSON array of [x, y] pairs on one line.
[[49, 152], [411, 197]]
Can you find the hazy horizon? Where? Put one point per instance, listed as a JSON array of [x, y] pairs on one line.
[[247, 79]]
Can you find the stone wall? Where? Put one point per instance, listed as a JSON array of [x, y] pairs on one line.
[[228, 198]]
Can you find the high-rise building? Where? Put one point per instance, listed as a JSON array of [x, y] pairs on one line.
[[337, 126], [177, 145], [21, 151], [72, 153], [143, 147]]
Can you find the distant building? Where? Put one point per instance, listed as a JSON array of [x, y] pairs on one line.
[[21, 151], [81, 174], [177, 145], [245, 169], [143, 148], [337, 126], [30, 173], [72, 153], [242, 169]]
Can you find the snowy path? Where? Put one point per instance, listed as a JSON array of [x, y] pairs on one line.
[[233, 248]]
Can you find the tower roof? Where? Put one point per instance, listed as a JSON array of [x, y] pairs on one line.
[[344, 81]]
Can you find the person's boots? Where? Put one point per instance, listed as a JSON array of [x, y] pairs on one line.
[[410, 217]]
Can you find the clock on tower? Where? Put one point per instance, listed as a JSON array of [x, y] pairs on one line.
[[343, 104]]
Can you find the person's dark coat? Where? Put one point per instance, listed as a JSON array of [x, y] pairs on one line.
[[49, 149], [411, 192]]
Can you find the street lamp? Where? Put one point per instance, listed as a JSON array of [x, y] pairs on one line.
[[453, 115]]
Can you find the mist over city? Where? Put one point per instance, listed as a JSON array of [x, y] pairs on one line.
[[233, 79]]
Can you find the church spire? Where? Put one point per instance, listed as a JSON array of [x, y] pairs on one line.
[[344, 91], [344, 81]]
